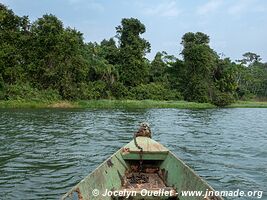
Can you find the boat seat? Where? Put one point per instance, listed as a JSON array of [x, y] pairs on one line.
[[152, 150]]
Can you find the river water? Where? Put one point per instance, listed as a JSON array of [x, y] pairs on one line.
[[44, 152]]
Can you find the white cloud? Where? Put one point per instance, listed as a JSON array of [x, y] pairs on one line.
[[243, 6], [238, 8], [167, 9], [209, 7], [90, 4]]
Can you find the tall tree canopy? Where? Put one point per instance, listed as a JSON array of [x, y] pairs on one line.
[[199, 60], [13, 44], [59, 61], [133, 66], [45, 60]]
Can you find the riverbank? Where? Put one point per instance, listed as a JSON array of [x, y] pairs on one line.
[[248, 104], [124, 104]]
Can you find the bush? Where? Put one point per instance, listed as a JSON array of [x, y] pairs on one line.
[[119, 91], [48, 95], [244, 94], [222, 99], [27, 92], [155, 91], [197, 91], [93, 90], [2, 88]]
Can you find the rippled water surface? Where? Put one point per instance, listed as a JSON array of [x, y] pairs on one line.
[[46, 152]]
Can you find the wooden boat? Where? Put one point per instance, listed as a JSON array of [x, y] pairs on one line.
[[150, 173]]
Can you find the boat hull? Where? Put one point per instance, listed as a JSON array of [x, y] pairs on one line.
[[161, 175]]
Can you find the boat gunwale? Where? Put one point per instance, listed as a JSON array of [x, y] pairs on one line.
[[74, 188], [120, 151]]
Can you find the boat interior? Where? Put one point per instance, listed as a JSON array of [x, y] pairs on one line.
[[131, 170], [144, 175], [146, 178]]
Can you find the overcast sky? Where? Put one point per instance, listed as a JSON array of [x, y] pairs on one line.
[[234, 26]]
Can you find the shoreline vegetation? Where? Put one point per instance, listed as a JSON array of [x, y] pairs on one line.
[[123, 104], [45, 64]]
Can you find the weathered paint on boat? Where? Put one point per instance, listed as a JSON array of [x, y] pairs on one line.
[[162, 169]]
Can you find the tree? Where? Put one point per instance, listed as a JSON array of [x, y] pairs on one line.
[[197, 38], [109, 51], [158, 69], [225, 75], [199, 60], [252, 77], [13, 32], [225, 82], [109, 55], [133, 67], [46, 50], [250, 58], [45, 60], [58, 57], [101, 59]]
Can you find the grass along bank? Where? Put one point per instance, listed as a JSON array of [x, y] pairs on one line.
[[105, 104], [124, 104], [248, 104], [142, 104], [37, 104]]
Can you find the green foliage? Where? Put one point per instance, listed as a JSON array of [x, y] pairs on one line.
[[222, 99], [250, 58], [252, 79], [98, 90], [24, 91], [132, 64], [158, 69], [225, 75], [197, 38], [225, 78], [120, 91], [199, 61], [13, 32], [154, 91], [2, 88], [141, 104], [59, 62], [197, 90], [109, 51], [43, 60]]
